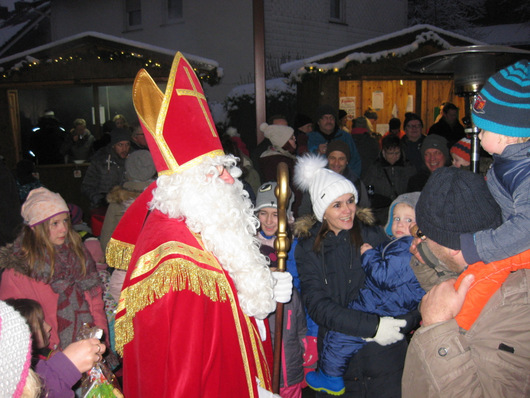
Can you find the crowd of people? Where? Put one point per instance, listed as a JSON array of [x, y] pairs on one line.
[[406, 273]]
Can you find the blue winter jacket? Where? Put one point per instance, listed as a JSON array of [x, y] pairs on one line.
[[390, 289], [509, 183]]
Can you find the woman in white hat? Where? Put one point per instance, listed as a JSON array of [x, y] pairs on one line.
[[329, 266]]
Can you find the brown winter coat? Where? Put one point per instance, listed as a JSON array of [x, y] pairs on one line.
[[492, 359]]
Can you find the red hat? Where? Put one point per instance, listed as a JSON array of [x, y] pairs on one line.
[[179, 130], [178, 126]]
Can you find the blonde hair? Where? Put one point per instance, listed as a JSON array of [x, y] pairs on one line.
[[79, 122], [33, 386], [36, 244], [121, 117]]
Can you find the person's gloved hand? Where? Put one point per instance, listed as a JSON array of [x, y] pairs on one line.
[[388, 331], [413, 319], [263, 393], [283, 288]]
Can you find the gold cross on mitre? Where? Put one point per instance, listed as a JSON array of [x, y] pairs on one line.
[[197, 94]]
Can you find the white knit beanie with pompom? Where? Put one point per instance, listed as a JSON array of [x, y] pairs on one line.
[[277, 134], [324, 185]]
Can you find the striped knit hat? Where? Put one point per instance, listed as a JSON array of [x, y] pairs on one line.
[[503, 104], [15, 349], [463, 149]]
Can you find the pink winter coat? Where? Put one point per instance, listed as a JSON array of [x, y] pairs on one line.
[[15, 285]]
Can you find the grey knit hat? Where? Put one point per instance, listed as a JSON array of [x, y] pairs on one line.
[[435, 141], [266, 197], [410, 199], [139, 166], [454, 202], [503, 103]]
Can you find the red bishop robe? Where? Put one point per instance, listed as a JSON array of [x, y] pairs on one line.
[[179, 322]]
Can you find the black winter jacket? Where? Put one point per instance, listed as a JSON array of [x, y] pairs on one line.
[[329, 281]]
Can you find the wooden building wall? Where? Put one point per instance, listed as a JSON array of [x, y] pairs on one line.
[[427, 95]]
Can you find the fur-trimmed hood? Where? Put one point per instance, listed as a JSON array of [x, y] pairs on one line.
[[9, 260], [303, 225], [126, 193]]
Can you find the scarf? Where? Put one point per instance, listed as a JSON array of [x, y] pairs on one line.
[[68, 282]]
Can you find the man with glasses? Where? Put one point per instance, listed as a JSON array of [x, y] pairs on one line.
[[328, 130], [413, 139], [475, 336]]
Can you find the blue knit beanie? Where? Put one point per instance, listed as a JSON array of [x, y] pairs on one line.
[[503, 104]]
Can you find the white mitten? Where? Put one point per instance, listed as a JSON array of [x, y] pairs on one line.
[[283, 288], [388, 331], [263, 393], [261, 329]]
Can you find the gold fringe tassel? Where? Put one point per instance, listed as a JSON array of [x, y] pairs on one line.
[[175, 274], [118, 254]]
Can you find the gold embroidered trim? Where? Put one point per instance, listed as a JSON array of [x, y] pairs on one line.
[[150, 260], [174, 274], [199, 96], [257, 349], [193, 162], [118, 254]]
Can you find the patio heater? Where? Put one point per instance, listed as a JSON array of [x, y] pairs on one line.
[[470, 66]]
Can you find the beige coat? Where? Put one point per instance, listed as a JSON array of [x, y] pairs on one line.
[[491, 360]]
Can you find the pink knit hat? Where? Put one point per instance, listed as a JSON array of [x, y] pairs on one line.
[[41, 205], [15, 346]]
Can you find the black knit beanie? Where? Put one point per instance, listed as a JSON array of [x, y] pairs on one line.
[[453, 202], [119, 135], [325, 110]]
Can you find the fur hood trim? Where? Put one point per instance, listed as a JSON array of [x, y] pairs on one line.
[[303, 225], [8, 260], [121, 194]]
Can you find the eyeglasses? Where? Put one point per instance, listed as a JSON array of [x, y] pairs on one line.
[[415, 232]]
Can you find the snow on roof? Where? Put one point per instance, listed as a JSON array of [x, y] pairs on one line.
[[278, 85], [507, 34], [206, 63], [273, 87], [430, 33], [7, 32]]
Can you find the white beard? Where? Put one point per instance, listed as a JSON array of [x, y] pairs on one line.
[[223, 215]]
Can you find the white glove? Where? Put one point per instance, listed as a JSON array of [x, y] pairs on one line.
[[261, 329], [388, 331], [263, 393], [283, 288]]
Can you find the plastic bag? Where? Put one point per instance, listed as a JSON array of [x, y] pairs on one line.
[[98, 382]]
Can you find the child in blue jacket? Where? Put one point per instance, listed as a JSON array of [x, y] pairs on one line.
[[390, 289]]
